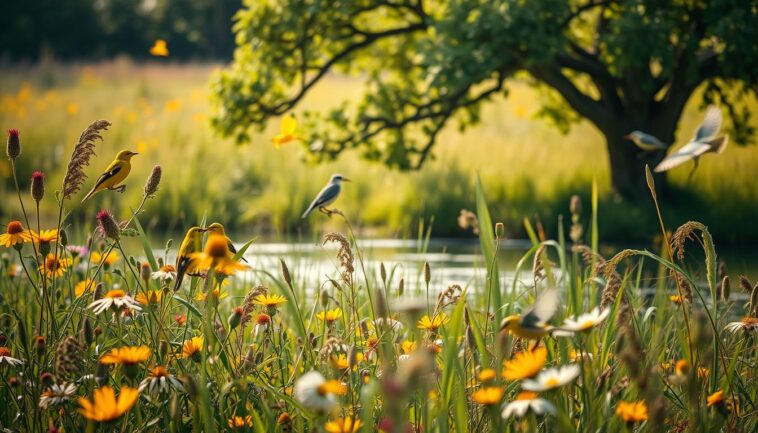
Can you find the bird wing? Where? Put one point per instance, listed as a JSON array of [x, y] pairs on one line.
[[325, 197], [543, 309], [652, 140], [710, 125], [109, 173], [690, 150]]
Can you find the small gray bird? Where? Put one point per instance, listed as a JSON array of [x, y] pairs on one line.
[[327, 195], [645, 141], [704, 141]]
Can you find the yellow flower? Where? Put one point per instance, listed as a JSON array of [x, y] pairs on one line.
[[127, 355], [434, 323], [343, 425], [329, 316], [269, 300], [682, 367], [217, 294], [45, 236], [488, 395], [408, 346], [159, 48], [332, 387], [238, 422], [104, 405], [340, 362], [152, 297], [54, 266], [191, 348], [83, 286], [716, 398], [675, 299], [107, 259], [525, 364], [14, 234], [72, 108], [486, 375], [217, 255], [632, 412], [288, 131]]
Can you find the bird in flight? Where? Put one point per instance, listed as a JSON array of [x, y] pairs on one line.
[[114, 174], [645, 141], [327, 195], [705, 141], [533, 324]]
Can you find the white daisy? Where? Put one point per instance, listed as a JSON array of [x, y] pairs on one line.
[[57, 394], [6, 358], [586, 321], [309, 392], [747, 324], [552, 378], [160, 381], [525, 401], [117, 298], [165, 273]]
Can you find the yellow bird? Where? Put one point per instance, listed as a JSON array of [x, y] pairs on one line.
[[288, 131], [114, 174], [191, 244], [218, 229], [533, 323]]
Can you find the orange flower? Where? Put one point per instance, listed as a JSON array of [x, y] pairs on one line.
[[525, 364], [104, 405], [632, 412]]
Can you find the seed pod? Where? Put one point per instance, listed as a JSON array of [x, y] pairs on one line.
[[401, 287], [145, 271], [324, 298], [63, 237], [87, 333], [575, 206], [499, 229], [153, 181], [427, 273], [383, 272], [286, 273], [381, 303], [38, 186], [108, 226], [14, 144]]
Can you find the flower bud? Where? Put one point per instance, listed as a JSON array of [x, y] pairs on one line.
[[63, 237], [108, 226], [499, 229], [235, 318], [575, 205], [14, 144], [145, 271], [286, 273], [427, 273], [153, 181], [38, 186], [87, 332], [401, 287], [39, 345], [383, 272], [324, 298]]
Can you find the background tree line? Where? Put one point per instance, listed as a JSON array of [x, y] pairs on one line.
[[98, 29]]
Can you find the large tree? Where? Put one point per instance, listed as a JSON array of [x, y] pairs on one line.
[[622, 65]]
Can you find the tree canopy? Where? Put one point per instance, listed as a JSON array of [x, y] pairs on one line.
[[623, 65]]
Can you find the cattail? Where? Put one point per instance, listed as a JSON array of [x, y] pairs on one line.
[[427, 273], [98, 292], [108, 225], [38, 186], [83, 152], [14, 144], [383, 272], [286, 272], [724, 289], [87, 332], [68, 358], [381, 303], [401, 287], [575, 205], [746, 285], [324, 298], [153, 181]]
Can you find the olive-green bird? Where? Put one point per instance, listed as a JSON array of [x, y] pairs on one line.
[[218, 229], [192, 243], [114, 174]]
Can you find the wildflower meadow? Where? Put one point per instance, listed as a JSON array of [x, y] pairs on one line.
[[97, 337]]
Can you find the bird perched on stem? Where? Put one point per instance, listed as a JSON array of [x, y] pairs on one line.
[[327, 195], [191, 244], [114, 174], [532, 324], [218, 229]]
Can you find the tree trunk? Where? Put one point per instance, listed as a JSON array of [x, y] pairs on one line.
[[627, 163]]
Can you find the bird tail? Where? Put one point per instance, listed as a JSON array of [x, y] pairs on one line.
[[307, 212], [718, 144], [179, 279], [89, 194]]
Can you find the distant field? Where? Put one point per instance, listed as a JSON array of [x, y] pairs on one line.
[[528, 168]]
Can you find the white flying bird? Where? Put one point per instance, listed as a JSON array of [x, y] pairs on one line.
[[327, 195], [704, 141], [645, 141]]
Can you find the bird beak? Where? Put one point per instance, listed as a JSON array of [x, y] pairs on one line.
[[628, 137], [344, 179], [135, 153]]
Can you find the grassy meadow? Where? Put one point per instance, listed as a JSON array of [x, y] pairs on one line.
[[99, 332], [528, 168]]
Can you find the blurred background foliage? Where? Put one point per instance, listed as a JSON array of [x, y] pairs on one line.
[[160, 109]]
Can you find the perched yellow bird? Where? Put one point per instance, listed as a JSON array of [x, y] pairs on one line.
[[114, 174], [288, 131], [218, 229], [191, 244], [159, 48], [533, 323]]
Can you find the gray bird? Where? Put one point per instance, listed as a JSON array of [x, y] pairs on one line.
[[645, 141], [327, 195], [704, 141]]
